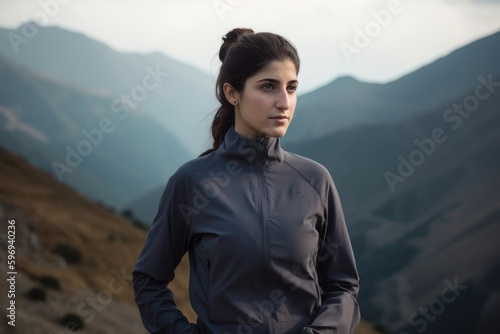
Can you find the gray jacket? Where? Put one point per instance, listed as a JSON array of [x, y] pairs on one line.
[[268, 246]]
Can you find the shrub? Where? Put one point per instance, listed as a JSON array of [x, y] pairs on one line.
[[128, 213], [380, 328], [70, 254], [73, 322], [140, 225], [37, 294], [50, 282]]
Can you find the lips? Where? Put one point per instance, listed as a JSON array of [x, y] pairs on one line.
[[279, 117]]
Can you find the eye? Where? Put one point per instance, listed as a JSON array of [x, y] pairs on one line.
[[267, 86], [292, 88]]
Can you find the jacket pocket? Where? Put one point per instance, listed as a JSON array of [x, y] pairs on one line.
[[291, 326], [316, 281], [232, 305]]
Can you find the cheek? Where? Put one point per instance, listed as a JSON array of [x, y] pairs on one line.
[[293, 104], [260, 99], [259, 107]]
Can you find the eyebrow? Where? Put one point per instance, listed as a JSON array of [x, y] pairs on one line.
[[276, 81]]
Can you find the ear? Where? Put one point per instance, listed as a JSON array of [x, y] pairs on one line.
[[232, 95]]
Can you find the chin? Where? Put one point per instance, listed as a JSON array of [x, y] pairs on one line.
[[275, 132]]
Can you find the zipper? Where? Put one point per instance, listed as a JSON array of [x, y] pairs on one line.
[[261, 169]]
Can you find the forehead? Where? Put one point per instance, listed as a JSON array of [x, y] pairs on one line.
[[281, 70]]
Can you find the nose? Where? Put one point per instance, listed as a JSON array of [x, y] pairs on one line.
[[283, 100]]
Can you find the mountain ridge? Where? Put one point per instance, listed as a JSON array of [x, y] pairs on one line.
[[347, 103], [180, 102], [71, 122]]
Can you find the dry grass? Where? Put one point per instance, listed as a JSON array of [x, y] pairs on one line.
[[48, 214]]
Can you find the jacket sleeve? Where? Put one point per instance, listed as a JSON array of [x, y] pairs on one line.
[[165, 245], [337, 274]]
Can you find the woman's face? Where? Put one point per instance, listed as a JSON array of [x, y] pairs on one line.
[[267, 102]]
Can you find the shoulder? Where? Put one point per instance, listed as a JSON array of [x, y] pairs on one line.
[[316, 175], [313, 173], [308, 168], [194, 169], [191, 172]]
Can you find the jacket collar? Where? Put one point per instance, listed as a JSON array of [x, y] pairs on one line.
[[258, 150]]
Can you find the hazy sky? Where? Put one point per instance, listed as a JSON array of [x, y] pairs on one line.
[[406, 35]]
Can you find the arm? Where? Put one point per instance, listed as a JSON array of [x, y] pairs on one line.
[[165, 245], [157, 307], [337, 274]]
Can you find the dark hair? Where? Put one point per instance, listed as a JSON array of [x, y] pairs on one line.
[[244, 53]]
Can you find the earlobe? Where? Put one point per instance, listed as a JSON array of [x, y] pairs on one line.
[[232, 95]]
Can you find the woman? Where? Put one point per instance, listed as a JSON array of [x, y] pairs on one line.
[[268, 247]]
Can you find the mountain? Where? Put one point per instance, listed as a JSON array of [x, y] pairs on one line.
[[347, 102], [144, 208], [350, 105], [179, 96], [104, 149], [422, 203], [49, 216], [417, 172]]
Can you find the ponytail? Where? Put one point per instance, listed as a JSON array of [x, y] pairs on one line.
[[223, 121]]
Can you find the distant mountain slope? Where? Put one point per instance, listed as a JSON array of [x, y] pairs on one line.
[[439, 225], [145, 207], [353, 108], [347, 102], [181, 99], [106, 153], [48, 214]]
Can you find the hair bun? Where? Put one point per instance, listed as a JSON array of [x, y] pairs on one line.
[[230, 38]]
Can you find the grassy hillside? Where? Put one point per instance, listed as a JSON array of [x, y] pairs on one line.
[[98, 287]]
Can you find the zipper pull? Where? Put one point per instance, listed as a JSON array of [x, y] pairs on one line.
[[262, 143]]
